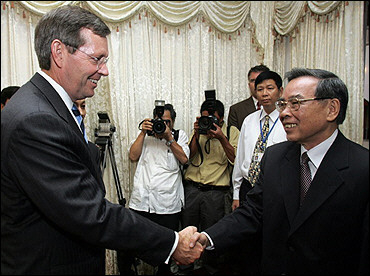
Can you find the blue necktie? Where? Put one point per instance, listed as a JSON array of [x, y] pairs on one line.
[[80, 121]]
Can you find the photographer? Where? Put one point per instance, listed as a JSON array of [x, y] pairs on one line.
[[212, 154], [157, 189]]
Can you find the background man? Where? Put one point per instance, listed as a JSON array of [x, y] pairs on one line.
[[6, 94], [212, 152], [158, 192], [260, 129], [240, 110]]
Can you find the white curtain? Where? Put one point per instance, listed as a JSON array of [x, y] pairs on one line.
[[174, 50], [324, 35]]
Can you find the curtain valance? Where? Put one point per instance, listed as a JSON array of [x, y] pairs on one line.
[[226, 16], [289, 13]]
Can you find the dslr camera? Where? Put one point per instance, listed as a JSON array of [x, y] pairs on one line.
[[105, 128], [206, 122], [159, 125]]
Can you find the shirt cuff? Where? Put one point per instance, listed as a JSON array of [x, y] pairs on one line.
[[209, 247], [173, 247], [236, 193]]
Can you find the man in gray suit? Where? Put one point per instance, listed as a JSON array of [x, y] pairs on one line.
[[54, 216], [240, 110], [320, 231]]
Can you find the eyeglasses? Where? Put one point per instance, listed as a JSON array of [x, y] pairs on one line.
[[98, 61], [294, 103]]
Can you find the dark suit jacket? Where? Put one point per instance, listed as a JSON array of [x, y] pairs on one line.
[[95, 155], [239, 111], [54, 217], [328, 234]]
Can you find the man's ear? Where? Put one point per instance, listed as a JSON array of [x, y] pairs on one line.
[[333, 110], [58, 50]]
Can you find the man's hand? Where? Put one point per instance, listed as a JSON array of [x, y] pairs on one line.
[[236, 204], [199, 238], [146, 125], [184, 254], [218, 134]]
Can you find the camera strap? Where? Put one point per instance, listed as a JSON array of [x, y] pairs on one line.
[[200, 152], [208, 151], [175, 133]]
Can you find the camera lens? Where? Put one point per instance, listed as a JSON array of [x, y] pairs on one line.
[[205, 122], [159, 126]]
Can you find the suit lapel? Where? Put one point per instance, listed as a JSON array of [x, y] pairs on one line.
[[326, 181], [56, 101], [290, 182]]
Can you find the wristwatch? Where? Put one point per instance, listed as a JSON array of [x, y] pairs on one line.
[[168, 143]]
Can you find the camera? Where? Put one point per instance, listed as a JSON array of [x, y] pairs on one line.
[[206, 122], [159, 125], [105, 128]]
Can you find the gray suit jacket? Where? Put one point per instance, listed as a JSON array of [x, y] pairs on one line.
[[54, 217], [328, 235], [239, 111]]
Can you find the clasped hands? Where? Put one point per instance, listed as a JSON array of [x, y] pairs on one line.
[[190, 246]]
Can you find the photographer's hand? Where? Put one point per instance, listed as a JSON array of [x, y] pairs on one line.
[[196, 127], [146, 125], [218, 134], [228, 148], [137, 146], [167, 134]]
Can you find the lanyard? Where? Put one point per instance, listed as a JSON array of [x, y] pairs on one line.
[[268, 133]]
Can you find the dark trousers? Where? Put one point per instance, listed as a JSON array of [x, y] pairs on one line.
[[125, 259], [204, 206]]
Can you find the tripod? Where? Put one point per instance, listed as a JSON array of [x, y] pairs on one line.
[[105, 145]]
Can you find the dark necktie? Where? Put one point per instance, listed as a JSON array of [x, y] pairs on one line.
[[305, 175], [258, 106], [80, 121], [259, 149]]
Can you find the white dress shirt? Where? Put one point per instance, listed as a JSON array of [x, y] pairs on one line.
[[317, 153], [158, 184], [248, 137]]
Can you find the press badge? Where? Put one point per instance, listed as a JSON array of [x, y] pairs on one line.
[[258, 157]]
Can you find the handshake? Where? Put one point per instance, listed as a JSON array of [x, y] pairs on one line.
[[190, 246]]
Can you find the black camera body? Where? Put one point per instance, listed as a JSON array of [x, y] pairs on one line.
[[159, 125], [206, 122]]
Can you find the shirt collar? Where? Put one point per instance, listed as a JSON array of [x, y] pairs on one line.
[[317, 153], [60, 90], [274, 115]]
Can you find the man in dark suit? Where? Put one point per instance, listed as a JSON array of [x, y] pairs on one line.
[[240, 110], [324, 230], [54, 217]]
